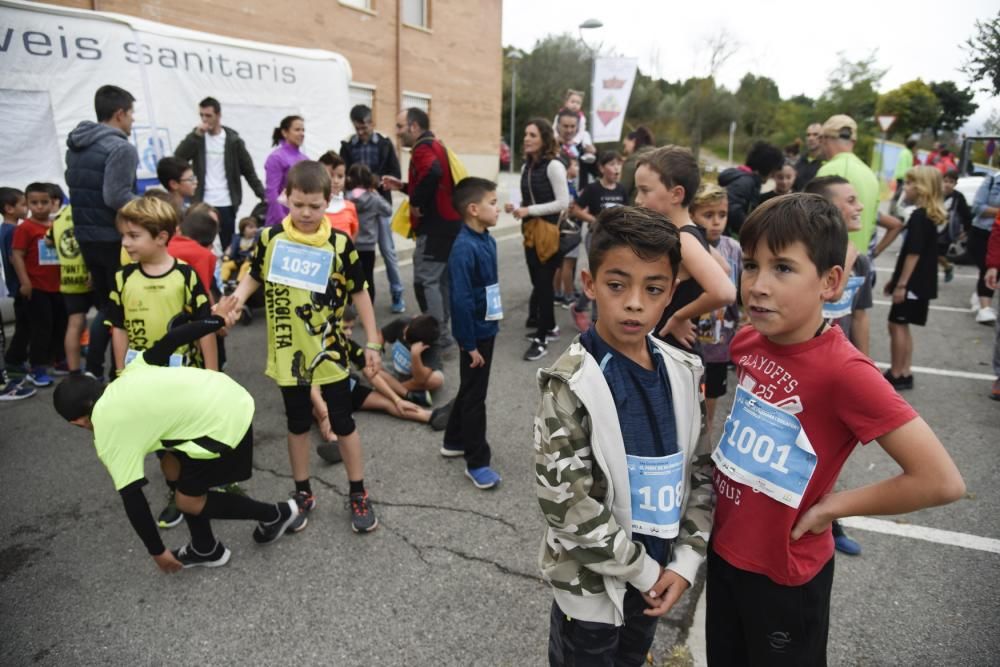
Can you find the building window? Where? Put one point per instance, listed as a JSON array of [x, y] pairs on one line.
[[361, 93], [415, 13], [358, 4], [418, 100]]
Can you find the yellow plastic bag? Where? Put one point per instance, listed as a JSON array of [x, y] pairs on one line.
[[401, 220]]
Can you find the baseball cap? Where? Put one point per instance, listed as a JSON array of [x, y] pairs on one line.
[[840, 126]]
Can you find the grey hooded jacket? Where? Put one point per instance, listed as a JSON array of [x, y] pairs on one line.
[[100, 173]]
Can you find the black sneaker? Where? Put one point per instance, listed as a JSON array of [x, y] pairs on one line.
[[363, 518], [421, 398], [550, 335], [289, 518], [329, 452], [536, 350], [531, 323], [190, 558], [440, 416], [170, 516], [899, 383]]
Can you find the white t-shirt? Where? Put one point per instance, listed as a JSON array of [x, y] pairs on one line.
[[216, 187]]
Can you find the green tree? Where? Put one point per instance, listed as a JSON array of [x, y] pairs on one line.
[[705, 110], [914, 105], [983, 49], [956, 106], [853, 90], [759, 100]]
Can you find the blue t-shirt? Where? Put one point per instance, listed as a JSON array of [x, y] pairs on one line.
[[645, 413]]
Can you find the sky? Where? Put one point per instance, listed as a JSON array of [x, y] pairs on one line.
[[794, 43]]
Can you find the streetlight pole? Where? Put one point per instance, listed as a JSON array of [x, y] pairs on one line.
[[514, 56], [590, 24]]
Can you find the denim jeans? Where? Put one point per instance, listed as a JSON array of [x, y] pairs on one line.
[[388, 249]]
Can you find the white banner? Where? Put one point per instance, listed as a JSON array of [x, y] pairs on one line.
[[53, 59], [609, 93]]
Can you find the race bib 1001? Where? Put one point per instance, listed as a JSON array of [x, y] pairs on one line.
[[842, 306], [494, 306], [765, 448], [402, 361], [301, 266], [47, 255], [657, 486]]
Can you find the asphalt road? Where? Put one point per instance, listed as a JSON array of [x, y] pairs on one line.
[[450, 577]]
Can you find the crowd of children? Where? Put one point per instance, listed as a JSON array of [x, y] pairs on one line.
[[636, 493]]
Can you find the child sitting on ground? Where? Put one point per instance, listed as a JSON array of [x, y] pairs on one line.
[[236, 259], [416, 358]]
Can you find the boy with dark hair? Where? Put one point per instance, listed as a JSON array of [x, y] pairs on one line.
[[15, 209], [476, 311], [622, 466], [37, 267], [416, 357], [310, 272], [806, 397], [203, 419], [193, 244], [177, 177], [743, 183]]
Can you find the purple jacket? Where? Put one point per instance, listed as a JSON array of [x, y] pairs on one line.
[[276, 168]]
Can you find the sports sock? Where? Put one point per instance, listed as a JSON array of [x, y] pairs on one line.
[[202, 539], [358, 486], [233, 506], [303, 486]]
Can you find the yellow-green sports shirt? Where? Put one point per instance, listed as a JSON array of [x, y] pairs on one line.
[[73, 275], [198, 412], [143, 305], [305, 344]]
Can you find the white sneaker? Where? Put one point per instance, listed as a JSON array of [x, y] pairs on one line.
[[986, 316], [974, 302]]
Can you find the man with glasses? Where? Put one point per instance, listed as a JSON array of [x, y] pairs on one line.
[[810, 161], [376, 152], [219, 158]]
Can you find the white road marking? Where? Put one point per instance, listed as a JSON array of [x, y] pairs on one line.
[[947, 309], [965, 375], [949, 537]]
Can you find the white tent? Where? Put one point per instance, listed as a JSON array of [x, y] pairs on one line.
[[53, 59]]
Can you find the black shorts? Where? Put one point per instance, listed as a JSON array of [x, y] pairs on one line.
[[752, 620], [298, 407], [78, 303], [359, 392], [199, 475], [911, 311], [716, 376]]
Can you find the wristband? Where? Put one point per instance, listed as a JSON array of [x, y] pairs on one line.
[[374, 346]]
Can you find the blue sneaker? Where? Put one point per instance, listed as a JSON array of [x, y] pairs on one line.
[[452, 451], [38, 377], [15, 390], [484, 478], [846, 545], [398, 304]]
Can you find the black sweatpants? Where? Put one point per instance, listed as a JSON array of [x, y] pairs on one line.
[[47, 314], [576, 643], [103, 259], [541, 306], [367, 258], [751, 620], [978, 242], [17, 353], [467, 422]]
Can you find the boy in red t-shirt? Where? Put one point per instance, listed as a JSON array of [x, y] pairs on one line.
[[37, 267], [805, 398], [193, 245]]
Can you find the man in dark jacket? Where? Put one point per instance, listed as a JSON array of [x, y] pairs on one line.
[[375, 151], [743, 183], [100, 173], [432, 215], [219, 158], [810, 161]]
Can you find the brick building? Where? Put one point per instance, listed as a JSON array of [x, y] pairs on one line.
[[441, 55]]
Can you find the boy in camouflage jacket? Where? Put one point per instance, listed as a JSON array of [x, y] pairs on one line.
[[611, 583]]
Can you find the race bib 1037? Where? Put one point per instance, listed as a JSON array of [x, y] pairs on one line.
[[302, 266]]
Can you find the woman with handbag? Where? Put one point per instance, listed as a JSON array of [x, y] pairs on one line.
[[544, 197]]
